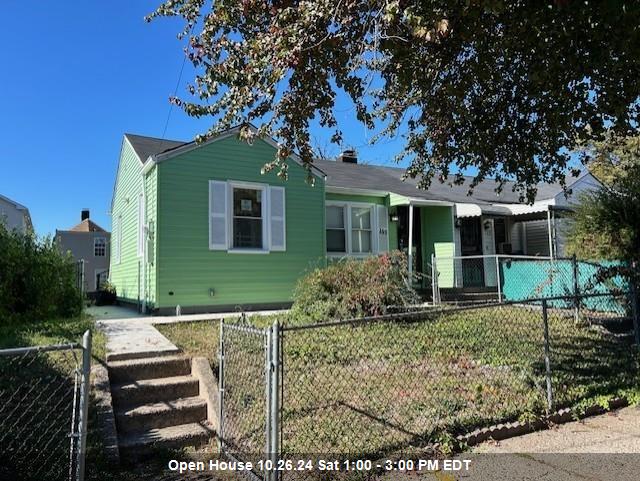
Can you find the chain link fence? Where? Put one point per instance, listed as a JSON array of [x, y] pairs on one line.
[[393, 385], [491, 278], [44, 395]]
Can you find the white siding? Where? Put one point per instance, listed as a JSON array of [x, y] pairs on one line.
[[12, 217]]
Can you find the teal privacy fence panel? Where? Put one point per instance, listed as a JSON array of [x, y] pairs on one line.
[[529, 279]]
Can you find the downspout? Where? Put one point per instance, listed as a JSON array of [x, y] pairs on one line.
[[143, 175]]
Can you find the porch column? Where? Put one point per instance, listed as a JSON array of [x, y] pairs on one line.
[[410, 255], [549, 230]]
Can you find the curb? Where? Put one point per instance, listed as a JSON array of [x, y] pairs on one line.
[[104, 411], [509, 430]]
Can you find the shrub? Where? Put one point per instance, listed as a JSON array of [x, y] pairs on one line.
[[36, 280], [106, 295], [353, 288]]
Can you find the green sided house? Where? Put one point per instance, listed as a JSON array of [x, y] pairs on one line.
[[198, 226]]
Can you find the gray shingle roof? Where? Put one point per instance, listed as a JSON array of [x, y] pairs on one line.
[[146, 146], [389, 179], [381, 178]]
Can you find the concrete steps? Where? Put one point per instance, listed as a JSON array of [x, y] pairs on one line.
[[469, 295], [172, 437], [149, 368], [154, 390], [161, 414], [157, 404]]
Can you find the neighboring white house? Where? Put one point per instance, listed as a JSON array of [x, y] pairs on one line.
[[15, 216]]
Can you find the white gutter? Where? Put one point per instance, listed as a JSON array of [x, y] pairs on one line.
[[148, 165], [425, 202], [354, 191]]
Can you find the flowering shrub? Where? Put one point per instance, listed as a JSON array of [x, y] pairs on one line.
[[353, 288]]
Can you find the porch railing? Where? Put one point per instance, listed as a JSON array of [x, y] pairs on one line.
[[502, 277]]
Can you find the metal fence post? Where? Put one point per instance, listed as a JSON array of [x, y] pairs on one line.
[[547, 358], [84, 403], [268, 372], [498, 278], [576, 288], [275, 397], [221, 387], [434, 281], [635, 312]]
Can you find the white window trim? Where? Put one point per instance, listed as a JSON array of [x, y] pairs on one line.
[[345, 227], [349, 231], [266, 240], [271, 217], [225, 245], [95, 239]]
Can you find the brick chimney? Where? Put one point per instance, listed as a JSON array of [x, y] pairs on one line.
[[348, 156], [84, 214]]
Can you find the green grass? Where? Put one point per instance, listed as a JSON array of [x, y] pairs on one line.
[[197, 338], [378, 388]]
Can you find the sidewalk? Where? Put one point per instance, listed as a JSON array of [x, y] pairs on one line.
[[601, 448], [614, 432], [132, 335]]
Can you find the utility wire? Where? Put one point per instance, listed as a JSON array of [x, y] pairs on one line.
[[175, 92]]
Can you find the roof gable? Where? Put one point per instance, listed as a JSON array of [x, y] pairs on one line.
[[87, 225], [182, 147], [145, 147]]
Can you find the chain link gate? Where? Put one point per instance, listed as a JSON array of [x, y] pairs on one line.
[[249, 396], [44, 399]]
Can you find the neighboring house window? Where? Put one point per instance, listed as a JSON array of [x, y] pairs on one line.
[[336, 231], [361, 230], [141, 221], [118, 246], [351, 228], [99, 247], [247, 218]]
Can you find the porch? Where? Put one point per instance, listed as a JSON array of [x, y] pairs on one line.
[[487, 236], [422, 230]]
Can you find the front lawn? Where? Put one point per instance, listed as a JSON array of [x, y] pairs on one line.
[[383, 386]]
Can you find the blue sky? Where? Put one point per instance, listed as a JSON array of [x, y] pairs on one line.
[[77, 75]]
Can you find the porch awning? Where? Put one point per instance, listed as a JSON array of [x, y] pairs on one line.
[[475, 210], [517, 211]]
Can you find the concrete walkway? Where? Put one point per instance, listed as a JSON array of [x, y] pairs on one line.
[[131, 335], [112, 312]]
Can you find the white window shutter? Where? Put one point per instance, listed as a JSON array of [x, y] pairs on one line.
[[277, 219], [383, 228], [218, 215]]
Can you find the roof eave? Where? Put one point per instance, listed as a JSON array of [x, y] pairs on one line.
[[161, 157]]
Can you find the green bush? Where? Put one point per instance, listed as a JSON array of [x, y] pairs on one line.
[[36, 280], [353, 288]]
